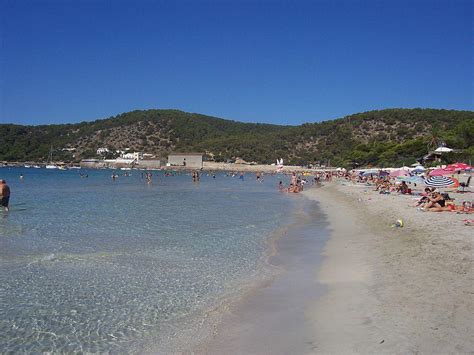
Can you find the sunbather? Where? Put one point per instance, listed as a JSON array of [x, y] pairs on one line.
[[435, 200], [403, 188]]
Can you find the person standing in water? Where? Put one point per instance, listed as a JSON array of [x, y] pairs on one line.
[[293, 178], [4, 195]]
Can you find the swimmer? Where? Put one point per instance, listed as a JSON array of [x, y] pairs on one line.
[[4, 195], [280, 186]]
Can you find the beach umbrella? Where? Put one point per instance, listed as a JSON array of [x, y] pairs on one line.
[[459, 166], [441, 181], [370, 172], [443, 150], [399, 172], [419, 169], [441, 172]]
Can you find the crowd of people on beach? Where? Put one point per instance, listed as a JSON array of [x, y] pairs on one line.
[[430, 199]]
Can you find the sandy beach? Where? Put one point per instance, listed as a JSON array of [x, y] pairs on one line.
[[380, 289], [395, 290], [262, 168]]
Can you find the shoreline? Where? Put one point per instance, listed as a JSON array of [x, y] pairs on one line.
[[206, 166], [255, 323], [374, 288], [392, 290]]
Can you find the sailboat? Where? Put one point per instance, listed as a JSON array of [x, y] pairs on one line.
[[279, 165], [50, 164]]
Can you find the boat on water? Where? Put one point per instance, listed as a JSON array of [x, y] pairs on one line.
[[50, 164], [27, 166]]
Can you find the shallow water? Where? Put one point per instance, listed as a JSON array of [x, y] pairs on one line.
[[88, 264], [276, 318]]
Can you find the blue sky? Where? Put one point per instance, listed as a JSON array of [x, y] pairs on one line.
[[283, 62]]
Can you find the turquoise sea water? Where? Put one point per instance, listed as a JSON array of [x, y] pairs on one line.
[[88, 264]]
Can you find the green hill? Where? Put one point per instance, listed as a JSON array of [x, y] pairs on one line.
[[384, 137]]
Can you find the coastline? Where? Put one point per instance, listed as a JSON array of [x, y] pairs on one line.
[[256, 322], [377, 289], [392, 290], [206, 166]]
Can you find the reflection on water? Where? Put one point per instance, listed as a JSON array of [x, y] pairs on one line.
[[94, 265]]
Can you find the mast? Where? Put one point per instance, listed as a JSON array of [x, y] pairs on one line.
[[51, 155]]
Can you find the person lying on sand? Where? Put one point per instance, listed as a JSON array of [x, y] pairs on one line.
[[448, 208], [451, 207], [385, 188], [404, 189]]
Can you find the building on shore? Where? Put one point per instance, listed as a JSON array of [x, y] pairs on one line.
[[102, 151], [187, 160], [134, 156]]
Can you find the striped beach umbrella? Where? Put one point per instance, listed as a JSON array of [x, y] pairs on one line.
[[441, 181]]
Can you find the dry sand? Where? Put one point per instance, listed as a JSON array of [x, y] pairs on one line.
[[269, 169], [393, 290], [378, 290]]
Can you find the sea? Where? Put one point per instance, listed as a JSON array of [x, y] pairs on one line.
[[89, 264]]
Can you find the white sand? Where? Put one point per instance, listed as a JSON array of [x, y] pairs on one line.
[[390, 290], [393, 290], [268, 169]]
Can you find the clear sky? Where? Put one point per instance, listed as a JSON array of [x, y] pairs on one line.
[[273, 61]]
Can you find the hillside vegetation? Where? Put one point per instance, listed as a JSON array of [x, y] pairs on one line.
[[385, 137]]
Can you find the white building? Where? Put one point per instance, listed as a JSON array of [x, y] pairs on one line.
[[102, 151], [134, 155]]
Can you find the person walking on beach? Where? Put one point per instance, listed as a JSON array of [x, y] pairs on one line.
[[4, 195]]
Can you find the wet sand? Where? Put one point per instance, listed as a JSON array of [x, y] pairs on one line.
[[273, 319], [370, 289]]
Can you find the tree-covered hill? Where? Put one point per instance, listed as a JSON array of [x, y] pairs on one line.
[[384, 137]]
